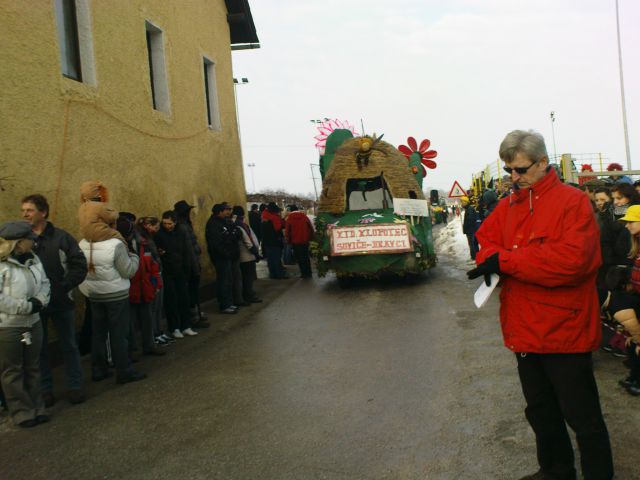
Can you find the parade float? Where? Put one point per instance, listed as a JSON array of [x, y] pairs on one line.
[[372, 219]]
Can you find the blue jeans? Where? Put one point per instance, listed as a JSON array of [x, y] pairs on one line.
[[66, 330]]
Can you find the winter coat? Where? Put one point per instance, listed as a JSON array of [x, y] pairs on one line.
[[20, 281], [222, 238], [272, 226], [147, 280], [298, 230], [193, 247], [248, 245], [176, 259], [113, 267], [470, 222], [63, 262], [490, 201], [255, 222], [549, 253], [615, 240]]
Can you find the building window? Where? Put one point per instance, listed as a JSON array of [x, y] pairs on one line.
[[67, 24], [157, 70], [73, 21], [211, 94]]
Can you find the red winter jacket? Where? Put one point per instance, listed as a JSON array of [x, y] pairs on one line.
[[298, 228], [549, 247], [147, 279]]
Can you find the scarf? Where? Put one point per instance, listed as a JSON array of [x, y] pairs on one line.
[[274, 218]]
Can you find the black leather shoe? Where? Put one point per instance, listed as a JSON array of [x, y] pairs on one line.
[[98, 377], [256, 300], [42, 419], [28, 423], [626, 382], [634, 389], [131, 376]]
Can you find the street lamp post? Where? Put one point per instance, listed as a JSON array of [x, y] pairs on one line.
[[552, 115], [624, 107], [253, 180]]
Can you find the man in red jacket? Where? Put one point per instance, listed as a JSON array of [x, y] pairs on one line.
[[544, 242], [299, 233]]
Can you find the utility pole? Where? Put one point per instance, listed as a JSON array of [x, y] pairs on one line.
[[552, 115], [624, 107]]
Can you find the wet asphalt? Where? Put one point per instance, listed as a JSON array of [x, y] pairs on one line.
[[384, 380]]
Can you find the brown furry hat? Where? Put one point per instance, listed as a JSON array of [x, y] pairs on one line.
[[93, 190]]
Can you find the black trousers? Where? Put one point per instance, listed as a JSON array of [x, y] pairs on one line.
[[224, 282], [304, 262], [561, 388], [248, 270], [176, 301]]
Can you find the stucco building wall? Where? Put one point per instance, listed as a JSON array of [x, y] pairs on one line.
[[57, 132]]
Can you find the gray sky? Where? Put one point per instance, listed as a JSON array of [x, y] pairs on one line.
[[462, 73]]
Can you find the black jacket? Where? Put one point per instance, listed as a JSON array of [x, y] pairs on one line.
[[176, 259], [615, 239], [63, 262], [255, 222], [223, 238], [471, 220]]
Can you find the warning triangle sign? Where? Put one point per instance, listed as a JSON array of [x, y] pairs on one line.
[[457, 191]]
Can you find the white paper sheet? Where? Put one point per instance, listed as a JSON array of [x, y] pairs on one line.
[[483, 293]]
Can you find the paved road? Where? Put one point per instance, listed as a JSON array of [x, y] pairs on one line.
[[382, 381]]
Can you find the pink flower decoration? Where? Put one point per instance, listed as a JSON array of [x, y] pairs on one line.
[[327, 127]]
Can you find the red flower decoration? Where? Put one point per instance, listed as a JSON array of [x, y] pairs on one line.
[[585, 167], [425, 154]]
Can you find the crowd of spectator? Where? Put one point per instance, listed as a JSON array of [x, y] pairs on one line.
[[140, 281], [616, 205]]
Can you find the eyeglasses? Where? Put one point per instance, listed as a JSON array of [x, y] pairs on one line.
[[519, 170]]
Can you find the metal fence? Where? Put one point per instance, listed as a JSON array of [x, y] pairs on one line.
[[570, 166]]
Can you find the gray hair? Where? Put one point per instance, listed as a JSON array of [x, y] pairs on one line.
[[528, 142]]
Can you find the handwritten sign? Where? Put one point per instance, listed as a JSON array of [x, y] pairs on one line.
[[366, 239], [410, 207]]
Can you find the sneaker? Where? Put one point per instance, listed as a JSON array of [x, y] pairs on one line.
[[167, 338], [161, 342], [229, 311], [608, 348], [619, 353], [235, 307], [189, 332], [49, 399], [177, 334]]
